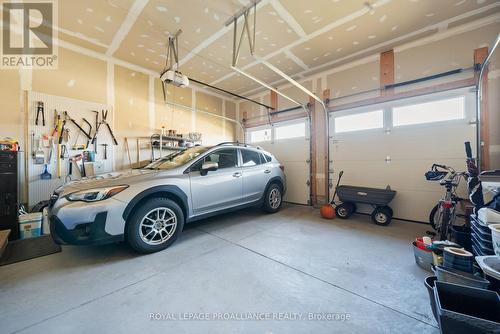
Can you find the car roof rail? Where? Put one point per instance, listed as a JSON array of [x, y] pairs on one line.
[[237, 143]]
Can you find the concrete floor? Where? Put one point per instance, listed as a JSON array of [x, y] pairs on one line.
[[292, 263]]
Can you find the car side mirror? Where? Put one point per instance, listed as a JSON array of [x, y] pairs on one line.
[[209, 167]]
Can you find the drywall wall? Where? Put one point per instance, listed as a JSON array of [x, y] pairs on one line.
[[79, 77], [10, 104]]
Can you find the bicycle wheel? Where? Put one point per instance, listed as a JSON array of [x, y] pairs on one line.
[[434, 217], [444, 225]]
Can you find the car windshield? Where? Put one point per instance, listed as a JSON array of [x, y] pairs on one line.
[[177, 159]]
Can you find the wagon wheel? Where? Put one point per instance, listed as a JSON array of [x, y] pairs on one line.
[[343, 210], [381, 216]]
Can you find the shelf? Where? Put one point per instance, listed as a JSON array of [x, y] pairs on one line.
[[169, 148]]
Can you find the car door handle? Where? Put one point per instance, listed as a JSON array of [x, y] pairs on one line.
[[267, 171], [237, 174]]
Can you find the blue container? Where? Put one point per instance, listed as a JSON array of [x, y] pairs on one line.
[[453, 261]]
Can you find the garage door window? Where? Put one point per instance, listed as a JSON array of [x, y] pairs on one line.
[[357, 122], [260, 135], [290, 131], [435, 111]]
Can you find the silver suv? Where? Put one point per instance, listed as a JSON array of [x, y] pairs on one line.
[[148, 207]]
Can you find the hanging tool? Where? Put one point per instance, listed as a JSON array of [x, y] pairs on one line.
[[70, 170], [59, 131], [105, 151], [51, 143], [96, 126], [103, 121], [75, 145], [45, 175], [39, 154], [78, 160], [57, 118], [68, 118], [33, 145], [64, 152], [39, 109]]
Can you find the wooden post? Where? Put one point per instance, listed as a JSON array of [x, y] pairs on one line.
[[387, 71], [479, 57], [326, 140], [314, 155]]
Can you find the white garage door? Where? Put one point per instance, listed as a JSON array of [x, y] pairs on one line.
[[289, 142], [396, 143]]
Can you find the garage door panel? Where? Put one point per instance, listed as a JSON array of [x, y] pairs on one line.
[[289, 150], [293, 154], [410, 151], [297, 188]]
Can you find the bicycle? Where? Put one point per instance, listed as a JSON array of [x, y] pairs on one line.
[[444, 214]]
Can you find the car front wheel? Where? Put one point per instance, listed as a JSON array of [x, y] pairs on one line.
[[273, 198], [155, 225]]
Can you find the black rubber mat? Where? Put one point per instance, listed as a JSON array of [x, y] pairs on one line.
[[25, 249]]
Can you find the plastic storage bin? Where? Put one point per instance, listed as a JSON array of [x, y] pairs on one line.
[[495, 237], [466, 310], [423, 258], [461, 235], [30, 225], [450, 275], [429, 284]]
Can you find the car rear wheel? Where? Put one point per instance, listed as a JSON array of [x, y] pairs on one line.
[[155, 225], [273, 198]]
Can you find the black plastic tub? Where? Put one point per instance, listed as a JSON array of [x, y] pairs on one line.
[[483, 228], [484, 235], [481, 246], [429, 284], [461, 235], [483, 238], [466, 310]]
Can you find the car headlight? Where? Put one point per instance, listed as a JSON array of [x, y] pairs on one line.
[[94, 195]]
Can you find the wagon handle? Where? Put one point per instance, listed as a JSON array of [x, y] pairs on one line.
[[338, 182]]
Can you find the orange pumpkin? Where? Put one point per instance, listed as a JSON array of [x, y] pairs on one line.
[[327, 211]]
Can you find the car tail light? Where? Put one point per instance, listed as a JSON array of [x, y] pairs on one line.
[[447, 205], [282, 168]]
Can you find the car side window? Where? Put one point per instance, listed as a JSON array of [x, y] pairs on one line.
[[251, 158], [265, 158], [226, 158]]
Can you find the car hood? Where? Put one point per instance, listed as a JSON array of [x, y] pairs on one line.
[[124, 177]]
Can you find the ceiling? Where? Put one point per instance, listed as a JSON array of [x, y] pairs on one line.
[[298, 37]]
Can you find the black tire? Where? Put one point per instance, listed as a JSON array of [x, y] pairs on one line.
[[273, 198], [444, 226], [343, 210], [390, 210], [433, 216], [381, 216], [352, 208], [134, 228]]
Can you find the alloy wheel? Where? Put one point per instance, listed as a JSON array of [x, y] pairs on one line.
[[275, 198], [157, 226]]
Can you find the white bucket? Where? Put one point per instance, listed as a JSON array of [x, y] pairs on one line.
[[495, 237], [30, 225]]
